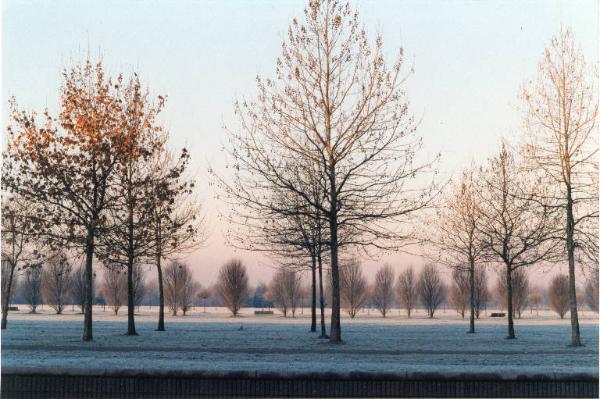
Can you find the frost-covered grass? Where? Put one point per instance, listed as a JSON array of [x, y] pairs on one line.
[[214, 341]]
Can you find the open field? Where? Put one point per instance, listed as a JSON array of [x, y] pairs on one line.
[[213, 341]]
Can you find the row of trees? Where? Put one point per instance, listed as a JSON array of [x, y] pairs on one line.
[[58, 285], [538, 203], [96, 180], [327, 158]]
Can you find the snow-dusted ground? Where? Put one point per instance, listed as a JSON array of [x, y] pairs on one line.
[[214, 341]]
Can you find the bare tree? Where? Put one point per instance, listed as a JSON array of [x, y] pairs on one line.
[[128, 235], [459, 239], [354, 289], [176, 220], [31, 286], [558, 295], [516, 227], [535, 299], [406, 290], [289, 235], [204, 293], [139, 286], [189, 294], [9, 285], [177, 279], [561, 111], [432, 290], [233, 285], [482, 293], [285, 290], [18, 227], [520, 291], [293, 289], [382, 292], [459, 293], [78, 284], [591, 291], [276, 292], [114, 288], [57, 281], [336, 106]]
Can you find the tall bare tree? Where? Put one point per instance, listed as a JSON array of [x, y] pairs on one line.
[[31, 287], [285, 290], [558, 295], [458, 237], [114, 287], [336, 105], [459, 292], [516, 228], [128, 236], [205, 292], [276, 292], [561, 112], [406, 290], [57, 281], [66, 164], [482, 292], [176, 220], [591, 292], [293, 289], [77, 286], [233, 285], [354, 289], [431, 288], [287, 229], [8, 290], [189, 295], [177, 278], [535, 299], [18, 229], [382, 291]]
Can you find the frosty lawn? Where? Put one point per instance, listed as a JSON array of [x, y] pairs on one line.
[[275, 344]]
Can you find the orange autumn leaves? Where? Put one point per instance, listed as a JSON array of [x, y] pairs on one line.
[[100, 119]]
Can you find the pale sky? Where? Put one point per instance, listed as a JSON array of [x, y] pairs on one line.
[[470, 58]]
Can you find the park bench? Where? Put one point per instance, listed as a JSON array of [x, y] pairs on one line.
[[263, 313]]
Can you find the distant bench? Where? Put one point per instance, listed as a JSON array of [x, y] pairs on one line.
[[13, 308], [497, 314], [263, 312]]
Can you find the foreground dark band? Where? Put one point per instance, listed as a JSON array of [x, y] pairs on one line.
[[89, 383]]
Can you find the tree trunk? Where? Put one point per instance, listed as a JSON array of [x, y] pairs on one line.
[[161, 294], [6, 299], [130, 260], [161, 298], [509, 303], [321, 296], [472, 299], [575, 335], [88, 300], [130, 299], [335, 334], [313, 305]]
